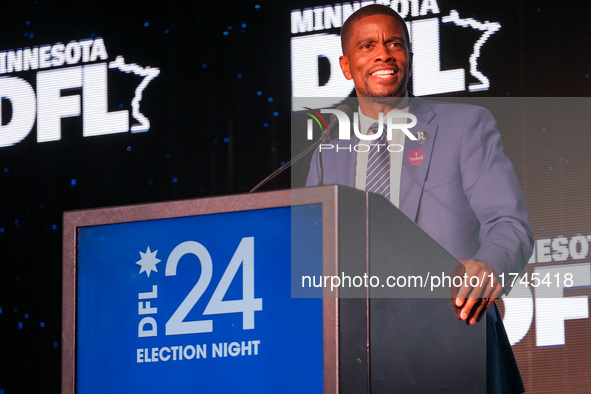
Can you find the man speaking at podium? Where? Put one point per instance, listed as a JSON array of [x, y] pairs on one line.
[[454, 180]]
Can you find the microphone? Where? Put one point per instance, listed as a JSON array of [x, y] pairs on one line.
[[329, 134]]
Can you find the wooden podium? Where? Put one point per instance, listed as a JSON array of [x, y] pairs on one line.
[[125, 331]]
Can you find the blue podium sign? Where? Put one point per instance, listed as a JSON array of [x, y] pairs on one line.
[[198, 304]]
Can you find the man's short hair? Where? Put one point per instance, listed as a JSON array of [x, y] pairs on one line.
[[374, 9]]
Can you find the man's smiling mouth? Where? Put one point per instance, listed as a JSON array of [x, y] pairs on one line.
[[382, 73]]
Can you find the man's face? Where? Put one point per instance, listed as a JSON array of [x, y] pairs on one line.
[[377, 57]]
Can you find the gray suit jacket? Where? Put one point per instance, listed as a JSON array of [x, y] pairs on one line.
[[465, 195]]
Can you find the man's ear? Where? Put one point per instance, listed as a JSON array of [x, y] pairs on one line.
[[344, 63], [410, 55]]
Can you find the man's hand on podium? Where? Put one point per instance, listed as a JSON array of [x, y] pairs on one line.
[[472, 301]]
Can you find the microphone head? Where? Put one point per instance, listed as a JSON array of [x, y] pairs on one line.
[[346, 109], [332, 133]]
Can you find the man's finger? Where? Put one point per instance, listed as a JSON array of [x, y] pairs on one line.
[[489, 291], [478, 310], [474, 304], [471, 314], [488, 295], [465, 290], [469, 305]]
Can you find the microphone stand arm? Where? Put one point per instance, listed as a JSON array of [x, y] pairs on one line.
[[323, 139]]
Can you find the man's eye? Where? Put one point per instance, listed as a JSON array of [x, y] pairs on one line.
[[366, 46]]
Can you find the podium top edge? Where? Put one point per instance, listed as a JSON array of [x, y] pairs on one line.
[[203, 206]]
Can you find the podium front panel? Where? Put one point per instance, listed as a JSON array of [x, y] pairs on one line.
[[161, 299]]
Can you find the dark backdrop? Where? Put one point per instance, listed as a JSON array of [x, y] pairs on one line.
[[220, 115]]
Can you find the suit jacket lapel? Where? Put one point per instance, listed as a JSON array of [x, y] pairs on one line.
[[345, 161], [412, 179]]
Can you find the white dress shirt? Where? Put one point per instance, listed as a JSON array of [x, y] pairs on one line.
[[396, 156]]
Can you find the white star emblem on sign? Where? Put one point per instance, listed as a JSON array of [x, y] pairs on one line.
[[148, 261]]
